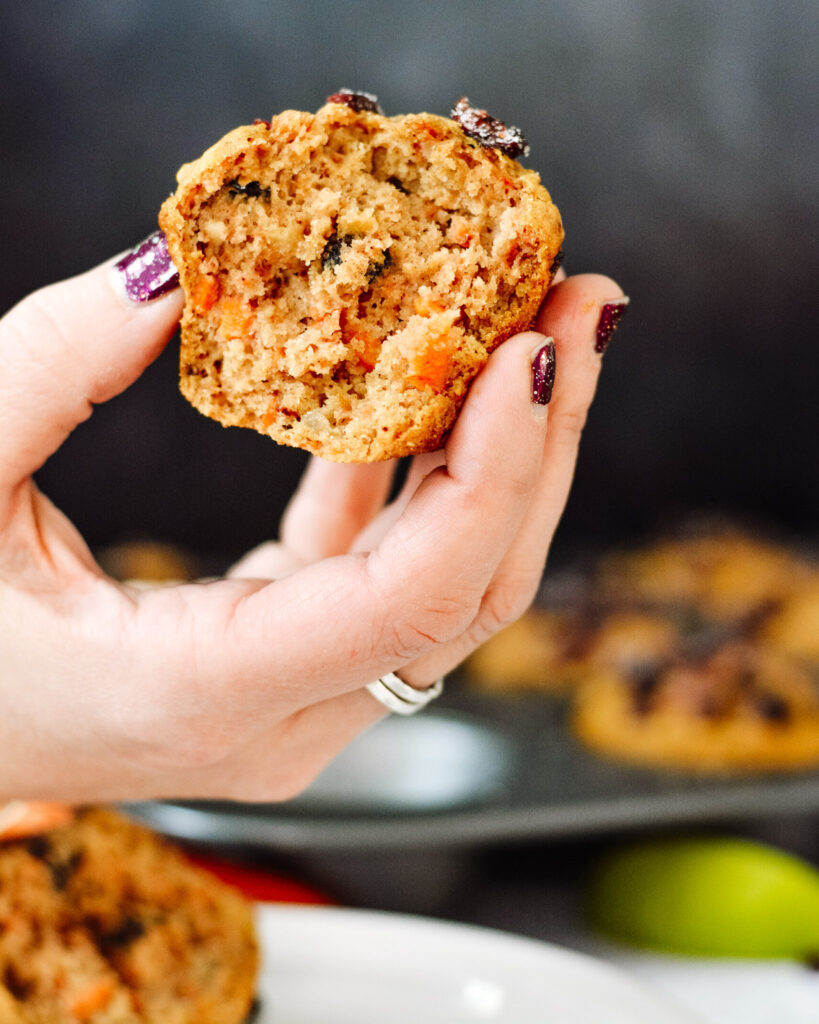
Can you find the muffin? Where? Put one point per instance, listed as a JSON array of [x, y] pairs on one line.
[[554, 649], [347, 274], [739, 709], [792, 625], [721, 575], [101, 921]]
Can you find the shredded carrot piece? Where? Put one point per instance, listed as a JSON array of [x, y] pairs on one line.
[[236, 320], [425, 306], [369, 354], [431, 367], [91, 999], [204, 293]]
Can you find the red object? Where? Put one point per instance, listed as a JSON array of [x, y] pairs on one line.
[[260, 885]]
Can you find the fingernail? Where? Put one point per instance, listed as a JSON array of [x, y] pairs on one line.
[[610, 316], [543, 373], [146, 272]]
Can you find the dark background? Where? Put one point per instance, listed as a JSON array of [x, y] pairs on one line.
[[679, 141]]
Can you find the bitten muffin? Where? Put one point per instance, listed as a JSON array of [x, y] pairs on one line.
[[347, 274], [101, 921], [741, 709]]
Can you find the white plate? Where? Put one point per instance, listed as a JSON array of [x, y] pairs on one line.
[[332, 966]]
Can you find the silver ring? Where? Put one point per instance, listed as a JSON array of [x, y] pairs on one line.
[[401, 698]]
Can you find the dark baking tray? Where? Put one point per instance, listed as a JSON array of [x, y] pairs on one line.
[[529, 780]]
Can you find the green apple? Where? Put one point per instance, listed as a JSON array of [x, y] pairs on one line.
[[708, 896]]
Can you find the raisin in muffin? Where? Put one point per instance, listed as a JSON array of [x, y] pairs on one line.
[[740, 709], [346, 274], [101, 921]]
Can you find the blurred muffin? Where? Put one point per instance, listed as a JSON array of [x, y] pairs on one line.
[[629, 640], [101, 921], [793, 624], [530, 654], [552, 650], [741, 709], [148, 561], [724, 575]]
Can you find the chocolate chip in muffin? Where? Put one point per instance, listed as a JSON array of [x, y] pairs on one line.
[[488, 130], [359, 101]]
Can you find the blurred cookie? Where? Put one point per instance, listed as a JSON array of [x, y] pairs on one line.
[[740, 709], [101, 921], [346, 274]]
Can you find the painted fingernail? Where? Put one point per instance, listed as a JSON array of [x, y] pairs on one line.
[[146, 272], [543, 373], [610, 316]]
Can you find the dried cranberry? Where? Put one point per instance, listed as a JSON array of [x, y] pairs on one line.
[[358, 101], [488, 130]]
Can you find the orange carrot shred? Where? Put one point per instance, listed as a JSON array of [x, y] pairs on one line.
[[236, 320], [204, 293], [91, 999]]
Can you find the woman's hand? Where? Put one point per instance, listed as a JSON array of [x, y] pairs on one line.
[[245, 687]]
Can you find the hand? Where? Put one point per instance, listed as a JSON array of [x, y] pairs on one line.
[[245, 687]]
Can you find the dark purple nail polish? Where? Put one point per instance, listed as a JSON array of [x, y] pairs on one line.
[[146, 271], [610, 316], [543, 373]]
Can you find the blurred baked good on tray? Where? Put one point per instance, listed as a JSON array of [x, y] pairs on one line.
[[697, 652]]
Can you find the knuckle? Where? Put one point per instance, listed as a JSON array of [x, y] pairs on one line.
[[439, 621], [505, 601], [569, 425]]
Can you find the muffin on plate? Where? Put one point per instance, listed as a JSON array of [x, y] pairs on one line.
[[347, 274], [101, 921]]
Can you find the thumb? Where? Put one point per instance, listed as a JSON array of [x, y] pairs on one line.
[[71, 345]]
